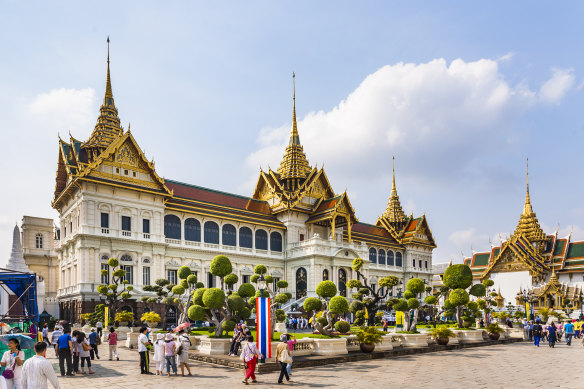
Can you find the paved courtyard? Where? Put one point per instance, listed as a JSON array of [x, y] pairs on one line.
[[517, 365]]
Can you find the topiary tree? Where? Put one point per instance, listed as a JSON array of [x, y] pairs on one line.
[[338, 305], [278, 297], [181, 295], [371, 298], [457, 279], [118, 289], [410, 303], [220, 306]]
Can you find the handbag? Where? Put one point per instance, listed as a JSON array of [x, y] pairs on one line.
[[9, 373], [86, 347], [287, 357], [97, 340]]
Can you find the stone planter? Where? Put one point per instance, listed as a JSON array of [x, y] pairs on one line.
[[352, 343], [122, 333], [132, 340], [386, 344], [333, 346], [124, 323], [494, 336], [302, 347], [415, 340], [212, 346], [152, 324], [442, 341], [397, 340], [280, 327], [366, 347], [469, 336]]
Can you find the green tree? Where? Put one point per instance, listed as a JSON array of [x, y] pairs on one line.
[[181, 295], [337, 305], [410, 303], [371, 297], [457, 279], [118, 289]]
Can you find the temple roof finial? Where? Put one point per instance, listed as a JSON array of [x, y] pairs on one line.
[[108, 125], [394, 211], [528, 224], [294, 164]]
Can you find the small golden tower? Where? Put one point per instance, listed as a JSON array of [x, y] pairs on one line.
[[294, 167], [394, 212], [528, 225], [108, 125]]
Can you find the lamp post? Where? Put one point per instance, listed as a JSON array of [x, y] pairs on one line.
[[528, 297]]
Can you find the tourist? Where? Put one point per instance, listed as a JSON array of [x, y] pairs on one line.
[[75, 352], [36, 371], [12, 361], [55, 338], [112, 339], [569, 330], [182, 352], [245, 331], [45, 333], [283, 357], [169, 354], [577, 327], [250, 355], [235, 341], [385, 324], [65, 347], [544, 333], [94, 341], [143, 344], [99, 327], [83, 348], [159, 356], [291, 341], [537, 332], [552, 334]]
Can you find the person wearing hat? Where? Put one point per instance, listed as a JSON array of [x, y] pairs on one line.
[[94, 340], [159, 356], [169, 354]]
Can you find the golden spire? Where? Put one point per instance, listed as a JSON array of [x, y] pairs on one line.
[[108, 125], [528, 224], [294, 166], [394, 212]]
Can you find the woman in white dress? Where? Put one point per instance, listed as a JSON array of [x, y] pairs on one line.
[[159, 354], [184, 343], [13, 360]]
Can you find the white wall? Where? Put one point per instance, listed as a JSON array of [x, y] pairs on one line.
[[510, 283]]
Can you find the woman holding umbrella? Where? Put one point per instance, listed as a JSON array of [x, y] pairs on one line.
[[12, 360]]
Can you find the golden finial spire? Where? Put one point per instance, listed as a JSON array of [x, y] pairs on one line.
[[294, 165], [394, 212], [108, 126], [528, 224]]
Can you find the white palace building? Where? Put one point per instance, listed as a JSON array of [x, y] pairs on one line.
[[112, 203]]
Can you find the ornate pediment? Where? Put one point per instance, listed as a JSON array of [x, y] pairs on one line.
[[509, 262]]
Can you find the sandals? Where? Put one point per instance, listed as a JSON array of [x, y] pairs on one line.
[[245, 382]]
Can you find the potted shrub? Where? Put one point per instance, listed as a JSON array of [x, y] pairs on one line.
[[441, 335], [124, 318], [368, 337], [494, 331], [151, 318]]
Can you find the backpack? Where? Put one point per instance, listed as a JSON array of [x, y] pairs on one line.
[[537, 330]]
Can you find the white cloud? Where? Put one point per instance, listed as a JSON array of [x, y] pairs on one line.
[[65, 109], [554, 89], [506, 57]]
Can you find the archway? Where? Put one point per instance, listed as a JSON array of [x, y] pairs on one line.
[[301, 286]]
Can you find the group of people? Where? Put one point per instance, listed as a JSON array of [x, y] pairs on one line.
[[75, 349], [251, 355], [296, 323], [35, 372], [167, 350], [553, 332]]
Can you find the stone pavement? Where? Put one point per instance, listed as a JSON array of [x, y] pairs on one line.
[[518, 365]]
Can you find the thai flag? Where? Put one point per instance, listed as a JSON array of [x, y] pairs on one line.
[[264, 335]]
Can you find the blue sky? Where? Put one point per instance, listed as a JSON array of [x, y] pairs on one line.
[[461, 94]]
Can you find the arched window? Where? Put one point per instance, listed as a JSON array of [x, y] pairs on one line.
[[261, 240], [276, 242], [301, 285], [390, 258], [192, 230], [211, 232], [372, 255], [229, 235], [381, 257], [126, 258], [39, 241], [245, 237], [172, 227], [325, 275], [342, 283], [398, 259]]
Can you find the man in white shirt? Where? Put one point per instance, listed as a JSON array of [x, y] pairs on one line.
[[37, 370], [143, 343], [99, 327]]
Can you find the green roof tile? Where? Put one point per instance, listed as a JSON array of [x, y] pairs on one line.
[[576, 250]]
